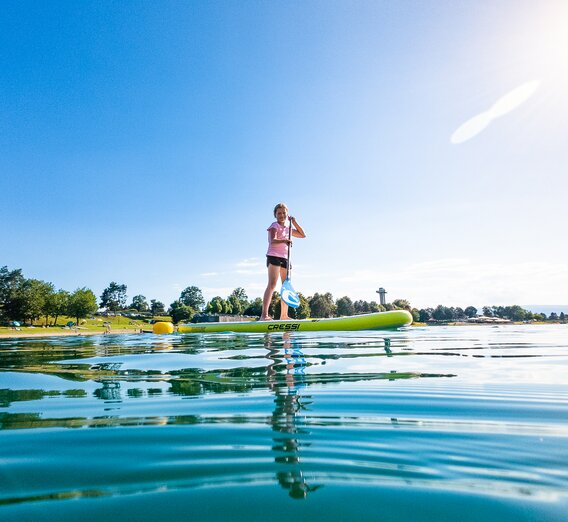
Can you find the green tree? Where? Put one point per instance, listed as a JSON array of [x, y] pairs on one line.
[[345, 306], [57, 304], [30, 299], [470, 311], [11, 281], [239, 301], [322, 305], [82, 303], [487, 311], [498, 311], [361, 307], [49, 300], [139, 303], [157, 307], [218, 305], [376, 307], [179, 311], [193, 297], [442, 313], [516, 313], [303, 311], [425, 314], [562, 316], [415, 315], [254, 308], [459, 313], [113, 297], [402, 304], [553, 316], [215, 306]]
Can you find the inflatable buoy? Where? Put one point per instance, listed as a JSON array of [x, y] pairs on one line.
[[163, 328]]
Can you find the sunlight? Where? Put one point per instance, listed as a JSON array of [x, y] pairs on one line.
[[541, 41], [549, 44]]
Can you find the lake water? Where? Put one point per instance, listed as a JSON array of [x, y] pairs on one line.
[[435, 423]]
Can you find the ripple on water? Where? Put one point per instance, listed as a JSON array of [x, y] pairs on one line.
[[458, 422]]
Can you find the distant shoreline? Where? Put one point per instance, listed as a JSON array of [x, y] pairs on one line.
[[43, 332]]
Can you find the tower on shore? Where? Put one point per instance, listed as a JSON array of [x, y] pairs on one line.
[[382, 293]]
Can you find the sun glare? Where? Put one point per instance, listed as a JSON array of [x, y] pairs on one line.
[[513, 99], [550, 45], [471, 127], [501, 107], [541, 43]]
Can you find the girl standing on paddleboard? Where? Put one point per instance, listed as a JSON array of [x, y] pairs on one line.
[[277, 256]]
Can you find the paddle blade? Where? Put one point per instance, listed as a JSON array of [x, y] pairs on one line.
[[289, 295]]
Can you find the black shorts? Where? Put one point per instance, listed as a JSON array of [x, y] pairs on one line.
[[277, 261]]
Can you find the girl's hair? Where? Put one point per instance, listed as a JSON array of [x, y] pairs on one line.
[[280, 205]]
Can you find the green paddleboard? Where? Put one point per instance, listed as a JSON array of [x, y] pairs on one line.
[[376, 321]]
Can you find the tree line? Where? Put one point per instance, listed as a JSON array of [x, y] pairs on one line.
[[29, 300], [512, 313]]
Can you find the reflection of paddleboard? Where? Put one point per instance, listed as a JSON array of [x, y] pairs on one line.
[[377, 321]]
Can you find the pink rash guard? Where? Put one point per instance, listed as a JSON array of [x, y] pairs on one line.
[[278, 249]]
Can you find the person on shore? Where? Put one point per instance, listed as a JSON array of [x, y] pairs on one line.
[[277, 256]]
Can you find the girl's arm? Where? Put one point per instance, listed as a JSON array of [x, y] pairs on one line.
[[297, 231]]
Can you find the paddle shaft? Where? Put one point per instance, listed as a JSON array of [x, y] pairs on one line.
[[289, 248], [288, 294]]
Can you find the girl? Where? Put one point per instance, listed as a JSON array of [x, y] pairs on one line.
[[277, 256]]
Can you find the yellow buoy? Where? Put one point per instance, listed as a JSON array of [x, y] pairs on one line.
[[163, 328]]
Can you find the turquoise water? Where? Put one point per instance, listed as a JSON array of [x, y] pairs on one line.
[[443, 423]]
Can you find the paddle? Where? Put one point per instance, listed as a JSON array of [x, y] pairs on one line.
[[287, 292]]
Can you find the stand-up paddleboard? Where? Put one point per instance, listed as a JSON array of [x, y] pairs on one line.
[[377, 321]]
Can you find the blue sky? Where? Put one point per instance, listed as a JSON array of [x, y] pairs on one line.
[[147, 143]]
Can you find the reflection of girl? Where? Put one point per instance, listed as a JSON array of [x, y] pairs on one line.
[[288, 405], [276, 257]]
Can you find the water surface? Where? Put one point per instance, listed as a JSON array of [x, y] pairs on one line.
[[436, 423]]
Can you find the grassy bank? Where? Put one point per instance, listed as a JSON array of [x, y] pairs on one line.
[[97, 325]]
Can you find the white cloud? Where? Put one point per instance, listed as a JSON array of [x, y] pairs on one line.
[[460, 282], [212, 291], [448, 281], [454, 282], [251, 262], [250, 266]]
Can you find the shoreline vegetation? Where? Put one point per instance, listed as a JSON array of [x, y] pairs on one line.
[[31, 307], [59, 332], [65, 331], [96, 325]]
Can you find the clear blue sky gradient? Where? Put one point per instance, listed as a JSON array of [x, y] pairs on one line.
[[147, 143]]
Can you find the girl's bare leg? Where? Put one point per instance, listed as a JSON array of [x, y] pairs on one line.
[[273, 276]]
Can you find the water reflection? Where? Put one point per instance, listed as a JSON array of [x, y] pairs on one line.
[[289, 403], [278, 363], [296, 412]]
